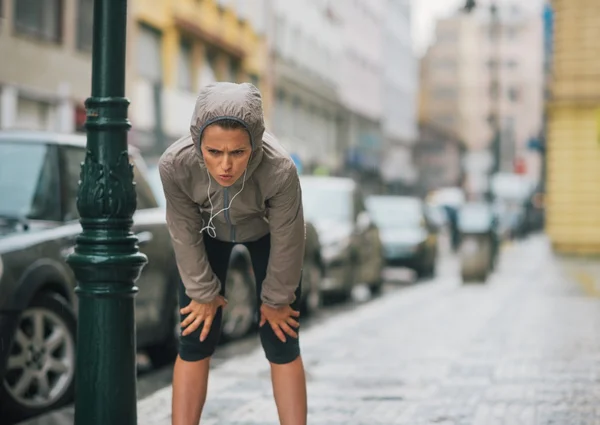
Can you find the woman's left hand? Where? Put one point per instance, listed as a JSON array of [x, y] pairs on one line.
[[281, 319]]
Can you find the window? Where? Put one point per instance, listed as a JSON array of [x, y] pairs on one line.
[[33, 114], [39, 18], [29, 181], [85, 24], [513, 94], [72, 159], [145, 198], [234, 70], [255, 80], [444, 92], [149, 54], [184, 66]]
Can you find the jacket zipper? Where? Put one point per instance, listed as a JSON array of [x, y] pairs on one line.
[[225, 205]]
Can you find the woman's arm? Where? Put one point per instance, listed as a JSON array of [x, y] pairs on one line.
[[286, 223], [185, 222]]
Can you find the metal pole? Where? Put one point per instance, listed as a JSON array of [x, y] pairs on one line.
[[106, 260], [496, 87]]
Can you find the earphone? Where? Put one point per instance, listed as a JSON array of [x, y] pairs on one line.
[[210, 228]]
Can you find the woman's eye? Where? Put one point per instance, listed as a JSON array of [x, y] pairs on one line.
[[237, 153], [213, 152]]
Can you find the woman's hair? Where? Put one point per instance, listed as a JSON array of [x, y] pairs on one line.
[[229, 124]]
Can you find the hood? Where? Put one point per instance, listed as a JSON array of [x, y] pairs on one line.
[[403, 236], [239, 102], [331, 231]]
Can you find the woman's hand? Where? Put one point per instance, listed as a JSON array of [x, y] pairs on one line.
[[281, 319], [201, 312]]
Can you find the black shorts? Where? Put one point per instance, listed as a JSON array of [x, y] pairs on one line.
[[192, 349]]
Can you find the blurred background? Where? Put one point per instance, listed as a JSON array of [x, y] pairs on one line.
[[429, 135]]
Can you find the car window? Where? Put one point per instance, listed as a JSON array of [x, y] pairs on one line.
[[29, 181], [74, 157], [145, 195]]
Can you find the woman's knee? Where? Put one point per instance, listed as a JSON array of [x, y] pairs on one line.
[[276, 351]]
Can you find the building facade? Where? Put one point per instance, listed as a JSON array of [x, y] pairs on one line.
[[573, 152], [361, 85], [46, 72], [175, 48], [438, 156], [459, 92], [305, 59], [400, 85]]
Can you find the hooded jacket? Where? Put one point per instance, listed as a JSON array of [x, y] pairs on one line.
[[270, 202]]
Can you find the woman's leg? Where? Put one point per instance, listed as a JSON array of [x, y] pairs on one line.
[[190, 374], [287, 369]]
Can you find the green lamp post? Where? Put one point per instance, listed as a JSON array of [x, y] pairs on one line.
[[106, 260]]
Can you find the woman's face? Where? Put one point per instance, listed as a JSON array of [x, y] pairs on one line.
[[226, 153]]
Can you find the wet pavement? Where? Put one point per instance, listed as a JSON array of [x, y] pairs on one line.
[[522, 349], [152, 380]]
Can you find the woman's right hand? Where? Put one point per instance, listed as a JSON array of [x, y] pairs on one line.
[[197, 313]]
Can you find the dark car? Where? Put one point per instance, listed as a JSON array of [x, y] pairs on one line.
[[408, 234], [351, 247], [239, 316], [39, 174]]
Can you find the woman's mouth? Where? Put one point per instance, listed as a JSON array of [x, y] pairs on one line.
[[225, 177]]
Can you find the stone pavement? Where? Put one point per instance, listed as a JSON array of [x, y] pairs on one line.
[[522, 349]]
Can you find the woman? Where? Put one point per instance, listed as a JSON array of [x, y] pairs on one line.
[[230, 182]]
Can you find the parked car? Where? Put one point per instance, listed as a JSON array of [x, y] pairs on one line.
[[239, 316], [351, 248], [408, 234], [479, 241], [39, 174]]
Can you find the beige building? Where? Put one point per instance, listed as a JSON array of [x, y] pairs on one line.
[[45, 71], [457, 93]]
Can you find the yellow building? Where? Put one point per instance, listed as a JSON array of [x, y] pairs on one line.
[[573, 159], [176, 47]]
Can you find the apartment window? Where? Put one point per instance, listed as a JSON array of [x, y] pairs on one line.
[[513, 94], [446, 120], [234, 70], [85, 23], [184, 66], [39, 18], [149, 54], [444, 93], [255, 81], [33, 114]]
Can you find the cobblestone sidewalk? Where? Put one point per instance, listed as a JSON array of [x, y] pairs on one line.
[[523, 349]]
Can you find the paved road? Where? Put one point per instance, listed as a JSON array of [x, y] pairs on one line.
[[522, 349]]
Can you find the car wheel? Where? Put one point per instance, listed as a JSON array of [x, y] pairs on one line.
[[40, 373], [238, 315], [376, 287], [311, 277]]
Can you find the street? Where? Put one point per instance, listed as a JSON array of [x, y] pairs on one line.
[[522, 349]]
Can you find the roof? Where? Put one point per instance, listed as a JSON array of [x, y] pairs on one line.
[[30, 136], [340, 183], [63, 139]]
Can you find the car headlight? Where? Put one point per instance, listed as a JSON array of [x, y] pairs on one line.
[[335, 249]]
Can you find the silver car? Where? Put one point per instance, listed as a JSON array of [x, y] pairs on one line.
[[350, 243]]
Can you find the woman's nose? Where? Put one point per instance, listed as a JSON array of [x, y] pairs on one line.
[[226, 163]]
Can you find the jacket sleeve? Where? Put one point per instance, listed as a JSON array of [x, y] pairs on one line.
[[286, 223], [184, 222]]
